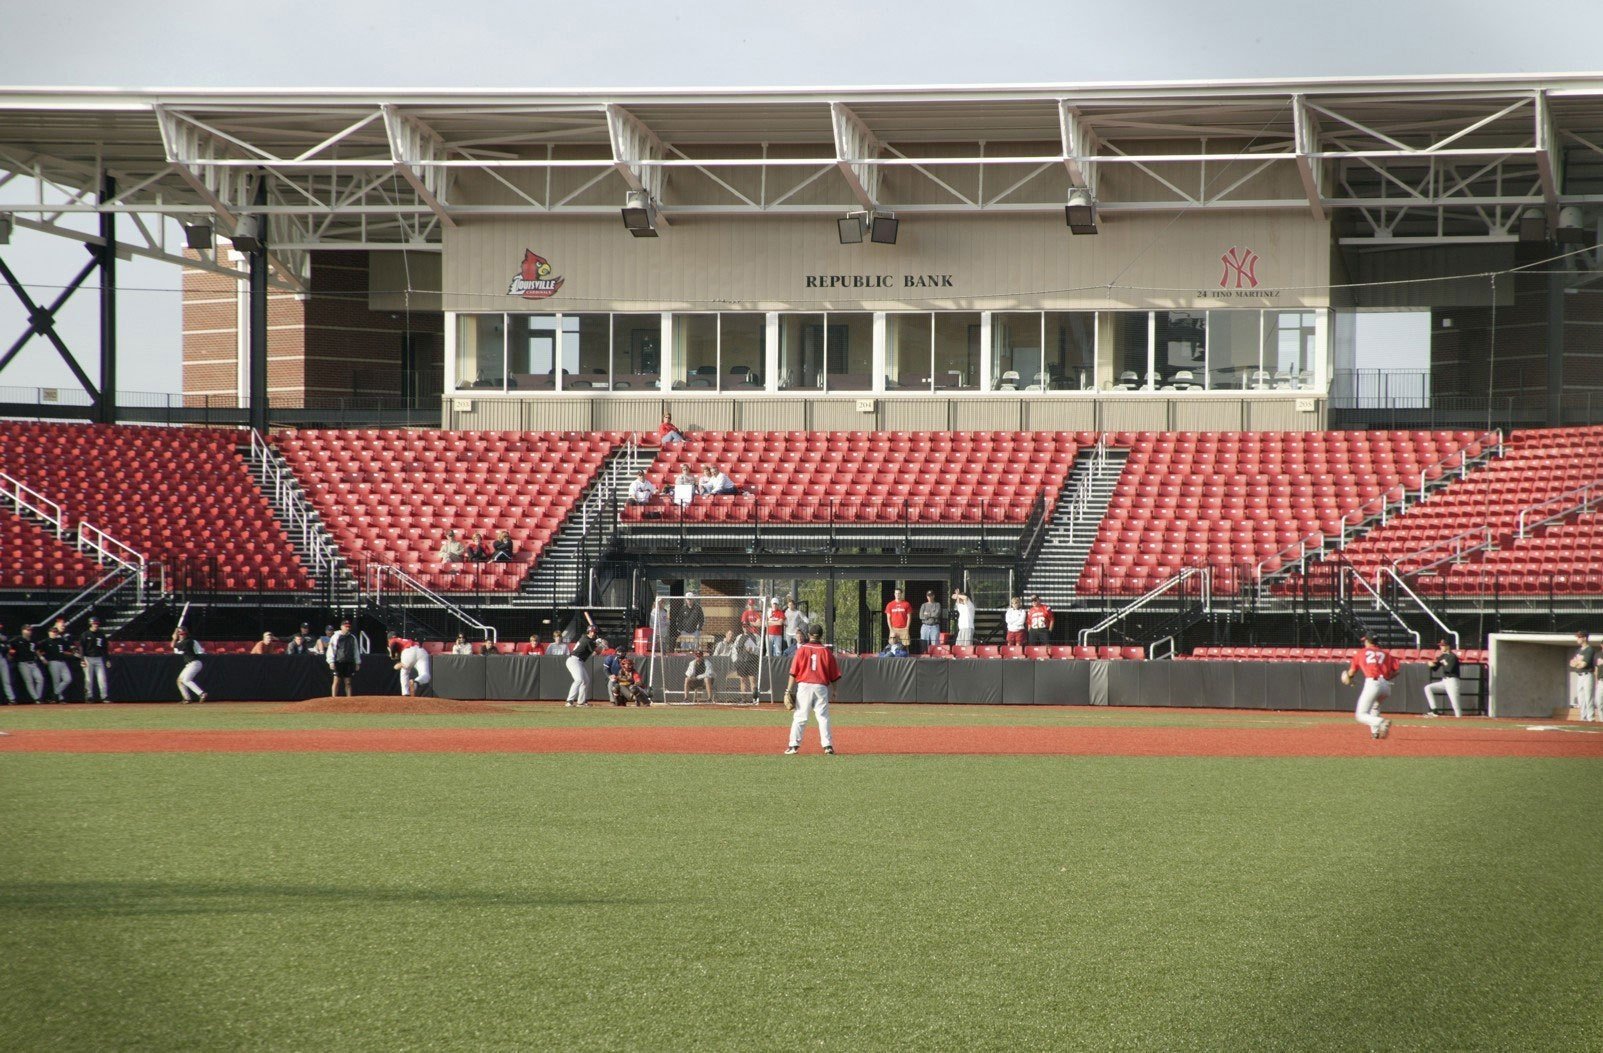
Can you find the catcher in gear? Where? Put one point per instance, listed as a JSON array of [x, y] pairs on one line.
[[626, 686]]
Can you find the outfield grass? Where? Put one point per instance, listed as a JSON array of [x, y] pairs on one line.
[[593, 902]]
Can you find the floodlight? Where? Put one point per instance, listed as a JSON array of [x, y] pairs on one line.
[[1570, 231], [882, 228], [1080, 212], [5, 230], [198, 236], [851, 227], [247, 235], [1533, 225], [640, 214]]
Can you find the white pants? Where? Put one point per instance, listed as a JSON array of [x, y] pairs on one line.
[[965, 637], [187, 682], [33, 679], [5, 679], [1369, 699], [811, 698], [1447, 686], [579, 669], [94, 679], [1597, 703], [1583, 694], [60, 680], [412, 677]]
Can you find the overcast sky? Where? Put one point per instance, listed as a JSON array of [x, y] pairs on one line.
[[726, 43]]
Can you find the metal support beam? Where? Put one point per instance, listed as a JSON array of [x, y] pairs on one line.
[[1307, 141], [1547, 163], [257, 344], [106, 405], [42, 321], [1079, 148], [856, 148], [638, 155], [410, 143]]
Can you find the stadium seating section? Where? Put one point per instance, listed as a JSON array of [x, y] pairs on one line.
[[1038, 651], [869, 477], [1238, 499], [166, 647], [389, 496], [1315, 654], [37, 559], [183, 497], [1536, 466]]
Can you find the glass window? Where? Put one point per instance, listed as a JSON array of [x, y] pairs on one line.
[[1288, 348], [695, 352], [849, 346], [1129, 330], [636, 352], [957, 350], [1016, 359], [481, 351], [1233, 361], [1180, 350], [801, 351], [532, 352], [1070, 360], [908, 347], [586, 339], [742, 338]]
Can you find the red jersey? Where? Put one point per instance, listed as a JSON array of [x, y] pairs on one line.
[[776, 622], [1375, 664], [538, 647], [814, 664], [665, 429], [751, 618], [900, 613], [1038, 617], [401, 643]]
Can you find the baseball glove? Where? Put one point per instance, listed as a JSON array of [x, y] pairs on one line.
[[1347, 677], [790, 697]]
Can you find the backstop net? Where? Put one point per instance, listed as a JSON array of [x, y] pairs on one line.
[[714, 650]]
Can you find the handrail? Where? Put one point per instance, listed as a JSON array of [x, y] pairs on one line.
[[93, 539], [288, 496], [83, 599], [1446, 464], [1380, 602], [1300, 546], [1422, 605], [377, 572], [1152, 594], [1593, 496], [1488, 537], [24, 496]]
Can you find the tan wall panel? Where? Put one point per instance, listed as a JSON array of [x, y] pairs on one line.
[[1209, 415], [557, 415], [1137, 414], [490, 415], [627, 414], [704, 415], [1063, 415], [1283, 415], [773, 415], [915, 415], [840, 415]]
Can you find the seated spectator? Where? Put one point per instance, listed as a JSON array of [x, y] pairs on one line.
[[451, 550], [684, 486], [667, 432], [477, 550], [503, 549], [725, 648], [323, 641], [719, 484], [299, 643], [698, 678], [894, 649], [692, 620], [558, 645], [461, 646], [641, 490], [268, 644], [535, 646]]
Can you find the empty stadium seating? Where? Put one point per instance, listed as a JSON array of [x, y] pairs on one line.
[[1106, 652], [36, 559], [1236, 500], [183, 497], [869, 477], [1537, 466], [1315, 654], [389, 496]]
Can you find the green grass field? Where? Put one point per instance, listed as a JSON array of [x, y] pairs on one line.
[[334, 901]]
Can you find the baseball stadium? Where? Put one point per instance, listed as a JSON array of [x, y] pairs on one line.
[[1094, 450]]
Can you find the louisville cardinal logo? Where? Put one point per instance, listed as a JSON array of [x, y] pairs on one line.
[[533, 280]]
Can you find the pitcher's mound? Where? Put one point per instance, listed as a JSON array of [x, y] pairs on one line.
[[386, 704]]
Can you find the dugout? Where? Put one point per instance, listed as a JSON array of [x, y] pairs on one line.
[[1528, 674]]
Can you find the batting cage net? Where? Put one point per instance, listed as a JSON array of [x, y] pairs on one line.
[[715, 650]]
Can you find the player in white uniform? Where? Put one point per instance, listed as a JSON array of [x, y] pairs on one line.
[[412, 662]]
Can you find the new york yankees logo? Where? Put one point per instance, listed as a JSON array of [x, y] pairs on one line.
[[1243, 263]]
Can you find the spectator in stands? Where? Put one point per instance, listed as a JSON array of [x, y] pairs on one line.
[[55, 650], [684, 487], [189, 650], [461, 646], [698, 678], [477, 550], [775, 625], [795, 625], [535, 646], [725, 648], [502, 550], [342, 659], [930, 615], [692, 620], [748, 652], [662, 625], [451, 550], [1038, 620], [94, 650], [558, 647], [25, 658], [751, 618], [894, 649], [716, 483], [1444, 664], [667, 432], [898, 619], [268, 644], [964, 608], [323, 641], [1583, 675], [298, 644], [641, 491], [1013, 620]]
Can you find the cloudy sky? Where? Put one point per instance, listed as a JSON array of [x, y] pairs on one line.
[[723, 43]]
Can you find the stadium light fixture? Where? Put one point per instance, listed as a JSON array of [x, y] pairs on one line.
[[5, 230], [1080, 212], [1533, 225], [640, 214], [247, 236], [882, 228], [851, 227], [1570, 230], [198, 236]]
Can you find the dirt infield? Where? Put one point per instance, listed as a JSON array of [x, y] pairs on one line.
[[1321, 740], [388, 704]]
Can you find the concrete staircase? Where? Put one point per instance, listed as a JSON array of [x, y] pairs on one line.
[[1075, 520], [559, 577]]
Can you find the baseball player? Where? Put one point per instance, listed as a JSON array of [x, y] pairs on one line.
[[1445, 664], [412, 662], [579, 668], [1583, 676], [5, 667], [94, 647], [812, 670], [190, 650], [56, 650], [1378, 668], [25, 659]]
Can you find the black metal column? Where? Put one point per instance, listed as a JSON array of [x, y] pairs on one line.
[[258, 334], [1554, 346], [106, 405]]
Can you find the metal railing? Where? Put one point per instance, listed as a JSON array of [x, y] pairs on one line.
[[1152, 594], [402, 585], [1571, 502], [91, 539], [1399, 583], [96, 595], [1484, 537], [1351, 574], [25, 498], [288, 496]]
